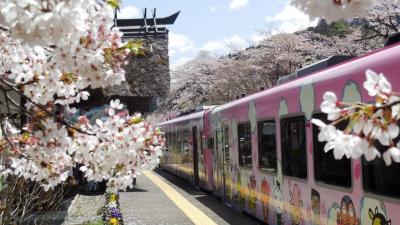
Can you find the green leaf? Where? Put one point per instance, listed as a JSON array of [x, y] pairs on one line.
[[1, 183], [135, 46], [114, 3], [93, 223]]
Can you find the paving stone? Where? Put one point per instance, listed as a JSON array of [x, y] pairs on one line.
[[84, 208]]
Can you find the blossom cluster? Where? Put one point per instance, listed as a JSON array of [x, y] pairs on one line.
[[372, 129], [116, 148], [334, 10], [51, 52], [112, 214], [56, 49]]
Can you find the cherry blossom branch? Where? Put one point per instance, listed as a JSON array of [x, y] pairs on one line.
[[368, 123], [59, 119]]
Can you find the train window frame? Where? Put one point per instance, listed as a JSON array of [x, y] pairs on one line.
[[245, 167], [348, 190], [386, 197], [372, 195], [288, 116], [266, 119]]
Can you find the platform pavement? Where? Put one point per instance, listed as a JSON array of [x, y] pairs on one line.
[[149, 203]]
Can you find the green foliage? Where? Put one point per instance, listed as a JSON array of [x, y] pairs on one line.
[[1, 183], [114, 3], [338, 28], [99, 222], [135, 46]]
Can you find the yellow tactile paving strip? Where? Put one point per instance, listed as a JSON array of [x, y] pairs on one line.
[[197, 216]]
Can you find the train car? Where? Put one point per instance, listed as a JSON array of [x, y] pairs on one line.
[[267, 161], [187, 154]]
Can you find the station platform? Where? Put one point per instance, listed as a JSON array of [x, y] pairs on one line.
[[162, 198]]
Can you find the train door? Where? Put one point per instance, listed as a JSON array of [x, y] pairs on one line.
[[218, 164], [225, 155], [195, 157]]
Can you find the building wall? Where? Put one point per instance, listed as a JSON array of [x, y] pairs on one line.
[[149, 75]]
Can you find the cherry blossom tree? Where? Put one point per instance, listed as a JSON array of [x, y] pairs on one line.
[[192, 83], [51, 53], [383, 20]]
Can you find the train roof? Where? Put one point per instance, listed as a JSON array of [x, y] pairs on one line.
[[341, 69], [196, 115]]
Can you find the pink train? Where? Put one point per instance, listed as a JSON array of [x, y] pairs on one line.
[[260, 153]]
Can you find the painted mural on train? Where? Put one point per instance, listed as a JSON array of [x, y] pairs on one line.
[[373, 212], [265, 198], [316, 209], [296, 205]]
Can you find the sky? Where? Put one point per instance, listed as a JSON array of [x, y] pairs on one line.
[[218, 26]]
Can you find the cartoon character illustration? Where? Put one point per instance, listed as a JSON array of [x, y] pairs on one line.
[[332, 214], [235, 187], [265, 189], [378, 218], [373, 212], [241, 192], [295, 205], [252, 193], [315, 207], [278, 202], [347, 213]]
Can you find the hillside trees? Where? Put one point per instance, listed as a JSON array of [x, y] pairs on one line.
[[382, 21], [192, 84], [207, 80]]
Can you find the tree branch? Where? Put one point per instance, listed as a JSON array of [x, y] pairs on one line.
[[59, 119]]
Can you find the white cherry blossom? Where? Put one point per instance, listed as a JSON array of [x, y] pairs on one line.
[[327, 132], [369, 151], [329, 106], [392, 153], [116, 104], [377, 84], [333, 10]]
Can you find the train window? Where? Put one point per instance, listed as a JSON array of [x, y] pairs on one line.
[[293, 142], [201, 143], [267, 145], [244, 134], [327, 169], [378, 178]]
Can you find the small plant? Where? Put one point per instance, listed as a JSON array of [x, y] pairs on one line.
[[99, 222], [111, 211]]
